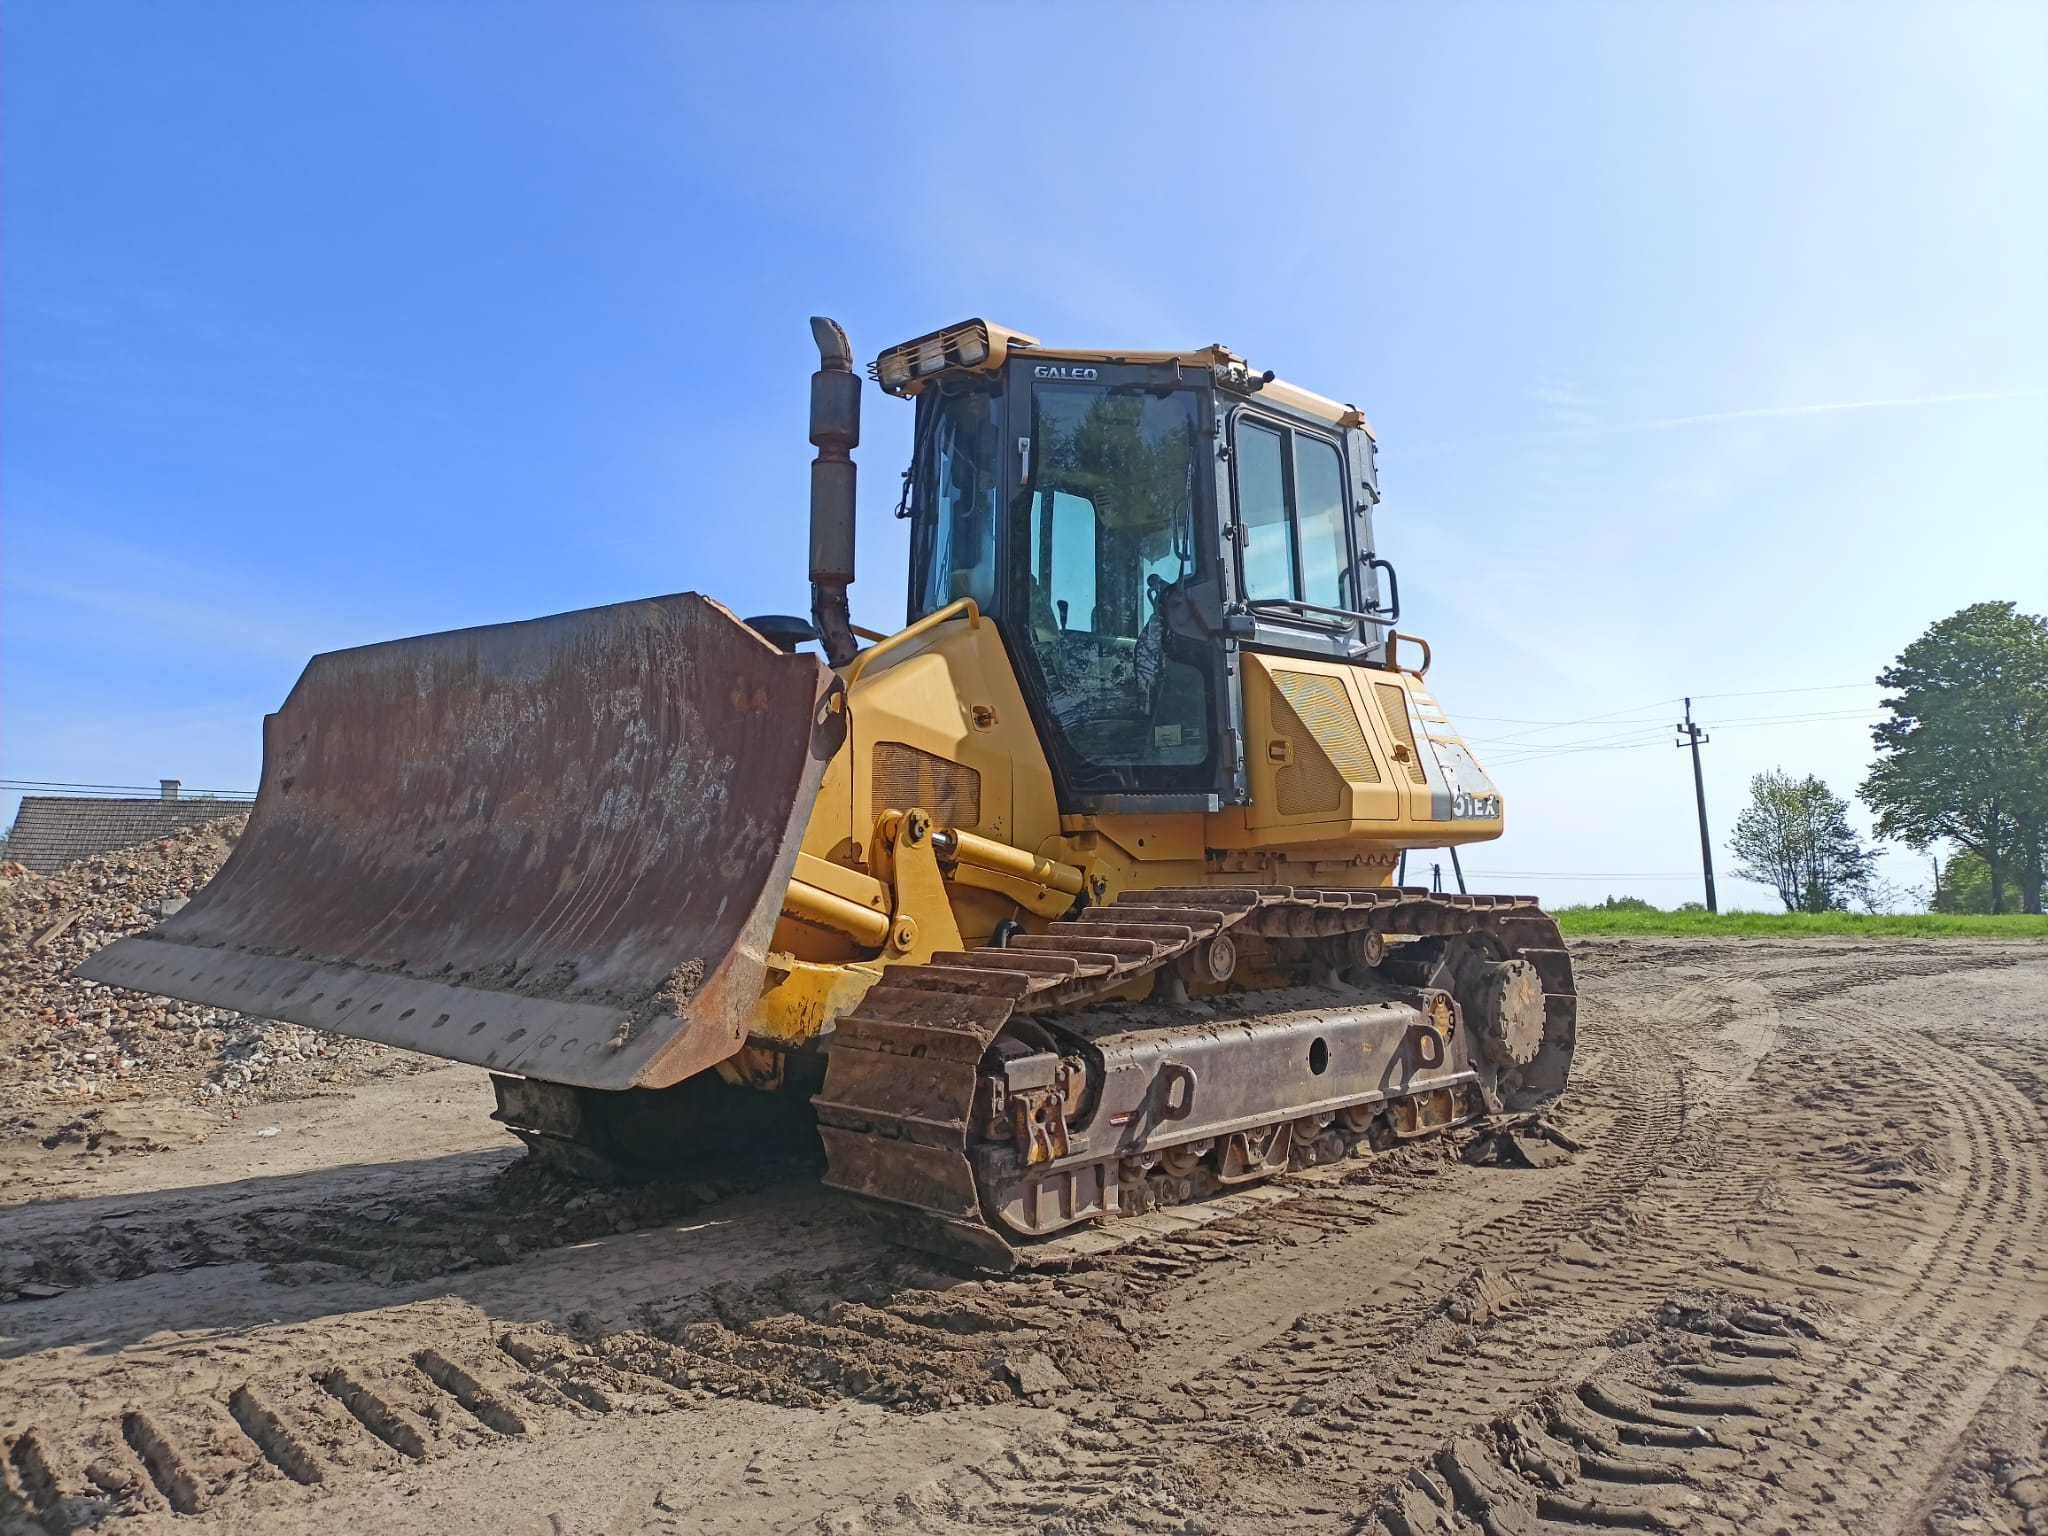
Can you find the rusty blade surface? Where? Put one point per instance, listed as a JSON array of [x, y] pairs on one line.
[[555, 848]]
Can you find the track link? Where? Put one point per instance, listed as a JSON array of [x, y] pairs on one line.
[[899, 1097]]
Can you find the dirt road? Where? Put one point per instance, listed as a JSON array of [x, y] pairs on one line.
[[1795, 1282]]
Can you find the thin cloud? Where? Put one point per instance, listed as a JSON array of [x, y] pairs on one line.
[[201, 628], [1765, 412], [1715, 418]]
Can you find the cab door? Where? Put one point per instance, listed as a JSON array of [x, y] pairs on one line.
[[1112, 582]]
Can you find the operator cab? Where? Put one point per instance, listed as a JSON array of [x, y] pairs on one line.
[[1130, 521]]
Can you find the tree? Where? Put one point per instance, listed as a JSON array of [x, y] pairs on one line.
[[1964, 757], [1966, 886], [1795, 836], [1626, 904], [1880, 896]]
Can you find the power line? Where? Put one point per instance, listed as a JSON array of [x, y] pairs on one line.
[[1658, 704], [1539, 756], [1565, 874], [1588, 720], [1552, 725], [1509, 745], [1758, 693], [1545, 874], [1647, 735], [1651, 723], [1801, 717], [154, 791]]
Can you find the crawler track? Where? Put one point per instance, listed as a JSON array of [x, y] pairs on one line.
[[897, 1108]]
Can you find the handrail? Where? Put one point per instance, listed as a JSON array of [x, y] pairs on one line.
[[929, 622], [1319, 614], [1394, 639]]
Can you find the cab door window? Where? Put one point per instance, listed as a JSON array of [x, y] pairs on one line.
[[1326, 569], [1110, 557], [1293, 544], [1262, 512]]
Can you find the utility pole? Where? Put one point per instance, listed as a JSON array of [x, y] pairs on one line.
[[1691, 735]]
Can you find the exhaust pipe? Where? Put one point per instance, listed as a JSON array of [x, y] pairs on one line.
[[835, 432]]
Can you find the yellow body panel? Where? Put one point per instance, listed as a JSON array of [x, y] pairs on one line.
[[1335, 757], [938, 725], [803, 998]]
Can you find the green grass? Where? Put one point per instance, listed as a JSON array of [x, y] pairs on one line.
[[1584, 922]]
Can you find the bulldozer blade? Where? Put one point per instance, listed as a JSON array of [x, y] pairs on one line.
[[555, 848]]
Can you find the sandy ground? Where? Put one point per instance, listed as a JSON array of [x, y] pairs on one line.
[[1795, 1282]]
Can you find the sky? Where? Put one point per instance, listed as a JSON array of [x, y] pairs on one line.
[[1706, 347]]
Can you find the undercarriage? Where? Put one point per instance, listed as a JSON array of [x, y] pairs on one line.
[[1151, 1052]]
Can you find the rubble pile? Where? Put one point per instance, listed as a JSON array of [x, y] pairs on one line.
[[66, 1040]]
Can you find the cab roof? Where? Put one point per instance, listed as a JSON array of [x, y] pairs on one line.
[[981, 346]]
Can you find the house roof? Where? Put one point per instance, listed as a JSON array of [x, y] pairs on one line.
[[52, 831]]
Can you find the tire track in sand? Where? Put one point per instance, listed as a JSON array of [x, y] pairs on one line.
[[1641, 1338], [1747, 1416]]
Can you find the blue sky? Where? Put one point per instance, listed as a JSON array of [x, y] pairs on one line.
[[1707, 348]]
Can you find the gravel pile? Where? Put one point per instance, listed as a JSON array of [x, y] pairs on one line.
[[64, 1040]]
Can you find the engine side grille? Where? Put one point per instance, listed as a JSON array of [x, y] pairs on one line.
[[904, 776], [1329, 747]]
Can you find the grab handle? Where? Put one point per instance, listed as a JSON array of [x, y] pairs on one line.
[[1172, 1075], [1390, 610], [1430, 1044]]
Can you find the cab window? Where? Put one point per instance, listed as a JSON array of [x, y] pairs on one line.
[[957, 491], [1293, 543], [1262, 513]]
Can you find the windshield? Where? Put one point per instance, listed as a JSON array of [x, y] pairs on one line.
[[1110, 553]]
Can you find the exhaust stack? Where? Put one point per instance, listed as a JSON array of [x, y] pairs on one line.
[[835, 431]]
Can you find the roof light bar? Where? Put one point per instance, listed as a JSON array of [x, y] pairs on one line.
[[904, 369]]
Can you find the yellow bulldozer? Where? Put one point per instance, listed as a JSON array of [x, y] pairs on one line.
[[1073, 897]]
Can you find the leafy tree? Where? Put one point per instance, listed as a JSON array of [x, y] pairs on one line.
[[1626, 904], [1966, 886], [1964, 756], [1795, 837]]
